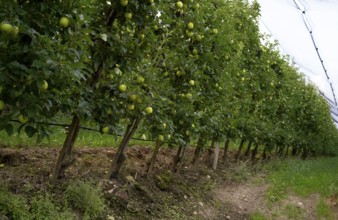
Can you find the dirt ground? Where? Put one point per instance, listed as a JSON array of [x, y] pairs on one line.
[[197, 192]]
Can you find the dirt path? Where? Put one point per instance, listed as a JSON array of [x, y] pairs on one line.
[[248, 199], [244, 198]]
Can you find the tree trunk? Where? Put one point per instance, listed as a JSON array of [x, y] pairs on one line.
[[286, 152], [65, 158], [180, 165], [264, 153], [65, 152], [294, 151], [178, 159], [254, 152], [153, 158], [276, 151], [225, 151], [211, 153], [197, 151], [247, 152], [280, 152], [120, 154], [239, 149], [214, 164], [304, 154]]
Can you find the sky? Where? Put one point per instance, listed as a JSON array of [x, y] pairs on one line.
[[301, 26]]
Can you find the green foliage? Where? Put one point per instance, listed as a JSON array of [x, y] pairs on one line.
[[42, 207], [13, 206], [86, 198]]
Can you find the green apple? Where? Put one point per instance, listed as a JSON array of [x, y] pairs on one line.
[[6, 28], [111, 76], [179, 5], [144, 137], [160, 138], [138, 100], [195, 51], [214, 31], [151, 1], [156, 27], [128, 15], [190, 26], [15, 31], [180, 122], [133, 97], [122, 88], [180, 73], [149, 110], [168, 136], [105, 130], [64, 22], [198, 37], [130, 107], [140, 79], [2, 105], [23, 119], [44, 85], [188, 95], [193, 125], [189, 33], [191, 82], [165, 74], [124, 3], [243, 79], [164, 125], [196, 6], [187, 132]]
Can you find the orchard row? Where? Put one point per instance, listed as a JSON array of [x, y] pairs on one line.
[[173, 70]]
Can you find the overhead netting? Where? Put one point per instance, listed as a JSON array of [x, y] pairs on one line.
[[307, 30]]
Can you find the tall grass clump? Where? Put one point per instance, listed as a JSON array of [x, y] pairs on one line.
[[86, 198]]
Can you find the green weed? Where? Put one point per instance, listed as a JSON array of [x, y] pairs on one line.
[[42, 207], [13, 206], [257, 216], [86, 198]]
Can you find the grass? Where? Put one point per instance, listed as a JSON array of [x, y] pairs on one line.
[[293, 212], [304, 177], [58, 134], [257, 216], [323, 211]]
